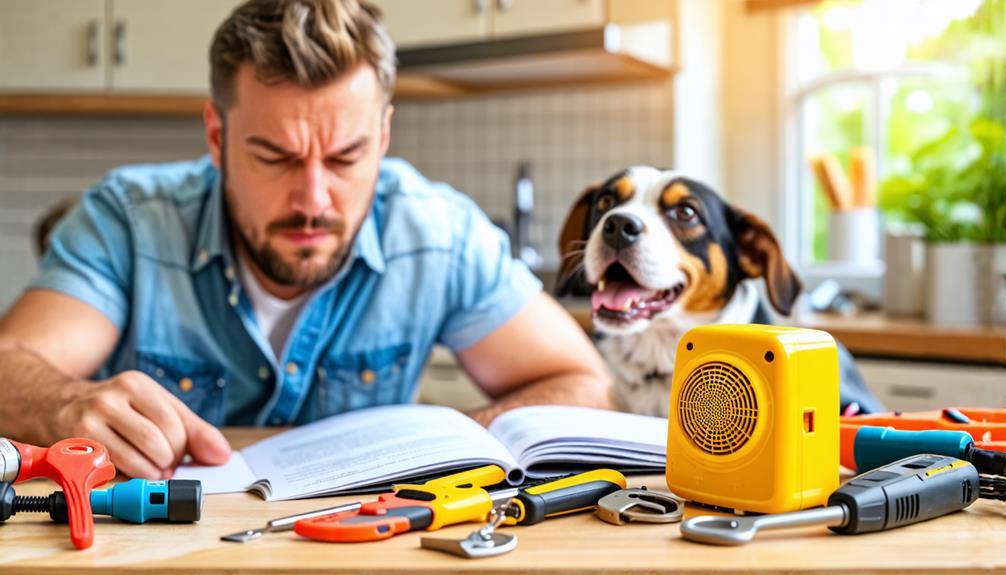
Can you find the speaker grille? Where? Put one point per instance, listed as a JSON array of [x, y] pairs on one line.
[[717, 408]]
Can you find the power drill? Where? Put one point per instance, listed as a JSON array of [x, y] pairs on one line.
[[907, 491], [135, 501]]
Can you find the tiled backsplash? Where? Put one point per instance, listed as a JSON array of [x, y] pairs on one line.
[[571, 137]]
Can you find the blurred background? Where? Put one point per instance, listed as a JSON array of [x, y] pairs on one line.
[[871, 134]]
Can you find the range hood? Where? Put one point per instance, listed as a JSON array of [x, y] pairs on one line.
[[610, 53]]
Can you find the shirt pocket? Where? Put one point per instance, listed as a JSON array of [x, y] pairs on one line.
[[199, 384], [349, 381]]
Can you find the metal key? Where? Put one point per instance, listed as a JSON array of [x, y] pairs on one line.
[[286, 523], [740, 530], [483, 542]]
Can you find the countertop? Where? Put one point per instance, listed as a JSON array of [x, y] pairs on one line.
[[875, 335]]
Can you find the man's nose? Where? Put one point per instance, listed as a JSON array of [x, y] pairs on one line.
[[312, 197]]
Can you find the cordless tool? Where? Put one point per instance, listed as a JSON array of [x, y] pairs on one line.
[[877, 446], [907, 491]]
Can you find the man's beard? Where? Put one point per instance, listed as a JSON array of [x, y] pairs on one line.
[[269, 261]]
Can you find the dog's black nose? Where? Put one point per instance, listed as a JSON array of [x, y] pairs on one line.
[[622, 230]]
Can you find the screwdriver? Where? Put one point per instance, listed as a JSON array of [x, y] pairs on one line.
[[877, 446], [907, 491], [135, 501]]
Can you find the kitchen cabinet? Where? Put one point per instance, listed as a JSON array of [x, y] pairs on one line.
[[440, 22], [52, 45], [108, 46], [922, 386], [163, 47]]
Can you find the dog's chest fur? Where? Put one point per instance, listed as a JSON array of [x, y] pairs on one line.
[[642, 364]]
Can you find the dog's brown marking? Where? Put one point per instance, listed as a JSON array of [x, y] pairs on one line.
[[624, 188], [677, 194], [673, 194], [572, 240], [707, 286], [759, 255]]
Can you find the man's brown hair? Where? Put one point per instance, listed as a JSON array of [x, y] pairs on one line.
[[307, 42]]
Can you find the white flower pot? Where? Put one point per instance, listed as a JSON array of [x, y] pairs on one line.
[[957, 283], [997, 285], [905, 275], [854, 235]]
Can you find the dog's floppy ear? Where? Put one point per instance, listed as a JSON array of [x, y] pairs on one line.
[[759, 255], [572, 240]]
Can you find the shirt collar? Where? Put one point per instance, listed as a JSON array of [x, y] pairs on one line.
[[213, 240]]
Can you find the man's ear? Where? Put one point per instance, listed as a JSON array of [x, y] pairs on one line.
[[572, 241], [759, 255], [213, 127]]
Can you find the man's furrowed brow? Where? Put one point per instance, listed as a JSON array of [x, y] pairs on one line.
[[360, 142], [271, 146]]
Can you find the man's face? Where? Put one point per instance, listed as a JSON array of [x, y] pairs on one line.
[[299, 167]]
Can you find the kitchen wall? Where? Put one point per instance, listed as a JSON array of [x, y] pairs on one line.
[[571, 137]]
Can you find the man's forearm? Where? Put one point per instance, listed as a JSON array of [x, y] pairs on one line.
[[30, 390], [586, 390]]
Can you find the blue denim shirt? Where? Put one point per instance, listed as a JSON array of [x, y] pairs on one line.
[[149, 248]]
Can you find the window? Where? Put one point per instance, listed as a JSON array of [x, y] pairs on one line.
[[885, 76]]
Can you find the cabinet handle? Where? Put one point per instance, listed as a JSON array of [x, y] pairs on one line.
[[119, 43], [504, 5], [480, 6], [93, 43]]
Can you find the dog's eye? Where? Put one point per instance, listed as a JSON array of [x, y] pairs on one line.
[[605, 203], [684, 213]]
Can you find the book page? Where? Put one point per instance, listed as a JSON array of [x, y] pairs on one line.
[[231, 477], [371, 447], [577, 437]]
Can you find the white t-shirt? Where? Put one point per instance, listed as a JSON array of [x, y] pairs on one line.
[[276, 317]]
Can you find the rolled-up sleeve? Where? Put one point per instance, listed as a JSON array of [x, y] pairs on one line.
[[89, 256], [487, 286]]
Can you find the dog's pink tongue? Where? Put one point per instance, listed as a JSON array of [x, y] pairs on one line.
[[615, 295]]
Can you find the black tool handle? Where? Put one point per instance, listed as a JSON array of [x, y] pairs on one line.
[[907, 491], [539, 506]]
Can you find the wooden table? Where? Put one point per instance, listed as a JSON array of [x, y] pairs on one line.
[[971, 541]]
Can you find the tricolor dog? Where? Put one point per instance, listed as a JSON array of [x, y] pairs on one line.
[[659, 253]]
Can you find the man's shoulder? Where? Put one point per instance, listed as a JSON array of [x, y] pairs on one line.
[[176, 183], [419, 212], [409, 193]]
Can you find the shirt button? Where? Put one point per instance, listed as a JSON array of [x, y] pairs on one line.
[[229, 272], [203, 256], [367, 376], [221, 383], [159, 372], [263, 373], [322, 373], [291, 368], [185, 384], [233, 299]]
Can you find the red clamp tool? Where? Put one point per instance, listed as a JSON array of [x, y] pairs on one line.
[[78, 465]]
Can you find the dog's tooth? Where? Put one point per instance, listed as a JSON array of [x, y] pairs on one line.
[[627, 305], [600, 285]]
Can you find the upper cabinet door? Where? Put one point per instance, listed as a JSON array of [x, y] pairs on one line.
[[163, 46], [520, 17], [428, 22], [52, 45]]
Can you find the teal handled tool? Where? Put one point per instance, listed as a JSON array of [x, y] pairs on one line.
[[135, 501], [875, 447]]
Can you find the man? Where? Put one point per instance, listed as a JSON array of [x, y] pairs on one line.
[[292, 274]]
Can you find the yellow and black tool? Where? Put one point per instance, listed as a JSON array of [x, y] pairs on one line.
[[579, 492], [459, 498]]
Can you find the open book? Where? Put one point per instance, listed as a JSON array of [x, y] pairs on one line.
[[368, 449]]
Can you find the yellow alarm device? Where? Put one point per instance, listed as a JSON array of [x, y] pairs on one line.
[[754, 418]]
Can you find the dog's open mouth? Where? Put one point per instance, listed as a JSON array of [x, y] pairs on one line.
[[620, 297]]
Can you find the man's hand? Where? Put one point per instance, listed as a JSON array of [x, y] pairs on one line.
[[146, 429]]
